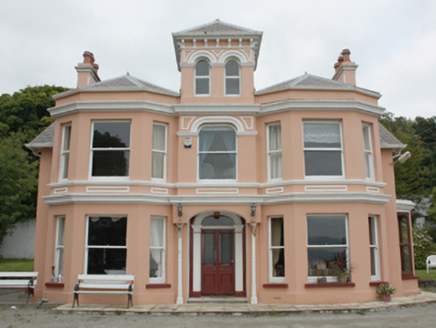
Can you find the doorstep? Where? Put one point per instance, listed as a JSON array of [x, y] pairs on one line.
[[245, 308]]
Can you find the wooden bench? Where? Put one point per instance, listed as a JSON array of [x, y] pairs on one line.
[[104, 284], [19, 280]]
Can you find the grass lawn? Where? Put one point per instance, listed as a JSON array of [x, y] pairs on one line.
[[422, 274], [16, 265]]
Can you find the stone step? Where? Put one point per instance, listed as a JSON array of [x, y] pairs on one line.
[[218, 299]]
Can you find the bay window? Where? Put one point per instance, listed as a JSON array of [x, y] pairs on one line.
[[217, 153], [323, 149], [367, 149], [110, 149], [59, 251], [373, 249], [106, 248], [65, 152], [405, 244]]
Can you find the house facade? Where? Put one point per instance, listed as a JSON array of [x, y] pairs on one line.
[[281, 195]]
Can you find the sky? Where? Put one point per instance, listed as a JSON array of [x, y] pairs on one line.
[[392, 41]]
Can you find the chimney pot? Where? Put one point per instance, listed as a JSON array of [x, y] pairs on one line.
[[340, 59], [88, 58], [346, 54]]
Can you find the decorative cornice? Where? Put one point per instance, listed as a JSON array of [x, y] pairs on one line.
[[233, 109], [215, 199], [404, 205], [111, 106]]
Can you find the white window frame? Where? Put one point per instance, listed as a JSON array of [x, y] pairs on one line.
[[273, 279], [159, 280], [87, 247], [164, 152], [238, 77], [366, 129], [341, 149], [313, 279], [218, 181], [65, 153], [374, 247], [91, 159], [202, 77], [270, 152], [59, 248]]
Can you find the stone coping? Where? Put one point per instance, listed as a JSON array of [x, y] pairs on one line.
[[245, 308]]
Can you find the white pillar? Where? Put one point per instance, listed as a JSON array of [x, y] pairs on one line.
[[196, 272], [179, 280], [253, 264]]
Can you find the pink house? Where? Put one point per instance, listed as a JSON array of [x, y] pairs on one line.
[[281, 195]]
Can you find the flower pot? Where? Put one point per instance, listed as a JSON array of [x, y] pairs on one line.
[[322, 280], [386, 298], [343, 279]]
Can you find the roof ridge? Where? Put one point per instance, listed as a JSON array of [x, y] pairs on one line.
[[216, 21]]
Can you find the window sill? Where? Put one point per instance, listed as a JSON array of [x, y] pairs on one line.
[[156, 286], [54, 284], [377, 283], [275, 285], [330, 284], [409, 278]]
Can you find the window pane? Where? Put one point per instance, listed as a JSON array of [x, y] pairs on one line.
[[111, 135], [275, 165], [372, 231], [60, 268], [275, 137], [61, 231], [217, 166], [107, 261], [209, 242], [366, 139], [107, 231], [110, 163], [65, 161], [157, 165], [326, 261], [405, 250], [226, 251], [373, 261], [404, 230], [232, 86], [277, 232], [221, 221], [157, 232], [217, 139], [202, 68], [327, 230], [158, 137], [278, 262], [368, 160], [232, 68], [67, 132], [323, 162], [202, 86], [156, 263], [322, 135]]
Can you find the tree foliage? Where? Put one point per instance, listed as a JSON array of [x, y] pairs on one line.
[[23, 116]]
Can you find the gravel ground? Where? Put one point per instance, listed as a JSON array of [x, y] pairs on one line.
[[423, 315]]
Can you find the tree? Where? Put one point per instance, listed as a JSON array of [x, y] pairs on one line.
[[18, 180]]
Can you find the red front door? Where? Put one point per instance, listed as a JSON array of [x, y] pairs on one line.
[[217, 262]]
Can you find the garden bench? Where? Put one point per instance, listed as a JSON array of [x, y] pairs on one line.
[[431, 262], [19, 280], [104, 284]]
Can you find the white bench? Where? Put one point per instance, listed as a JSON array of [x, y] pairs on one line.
[[104, 284], [431, 262], [19, 280]]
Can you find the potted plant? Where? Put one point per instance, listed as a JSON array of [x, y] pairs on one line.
[[342, 274], [385, 290]]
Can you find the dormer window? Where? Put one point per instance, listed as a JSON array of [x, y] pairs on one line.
[[202, 78], [232, 78]]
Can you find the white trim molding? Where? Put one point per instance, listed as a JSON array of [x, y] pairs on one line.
[[404, 205]]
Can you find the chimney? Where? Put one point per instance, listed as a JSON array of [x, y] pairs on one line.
[[345, 69], [87, 71]]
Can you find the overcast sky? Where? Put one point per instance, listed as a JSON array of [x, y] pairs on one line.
[[392, 41]]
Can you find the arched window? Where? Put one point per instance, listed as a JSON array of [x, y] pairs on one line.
[[202, 78], [217, 153], [232, 78]]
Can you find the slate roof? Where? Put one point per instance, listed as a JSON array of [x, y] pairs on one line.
[[309, 81], [43, 140], [122, 83], [388, 140]]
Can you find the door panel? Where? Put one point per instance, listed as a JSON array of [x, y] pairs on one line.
[[218, 265]]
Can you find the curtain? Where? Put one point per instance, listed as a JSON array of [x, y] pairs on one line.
[[156, 240], [230, 144], [276, 240]]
